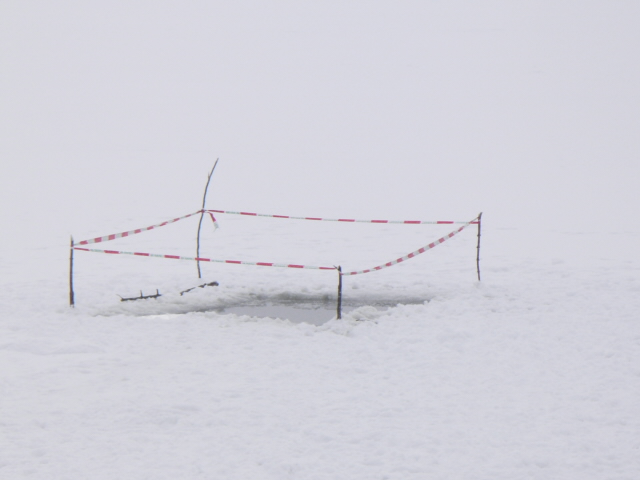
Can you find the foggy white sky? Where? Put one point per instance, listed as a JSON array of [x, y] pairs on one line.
[[528, 111]]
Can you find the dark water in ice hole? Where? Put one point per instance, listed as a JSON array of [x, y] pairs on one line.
[[297, 308], [308, 310]]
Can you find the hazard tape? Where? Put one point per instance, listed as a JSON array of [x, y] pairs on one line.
[[201, 259], [289, 265], [114, 236], [107, 238], [213, 219], [346, 220], [413, 254]]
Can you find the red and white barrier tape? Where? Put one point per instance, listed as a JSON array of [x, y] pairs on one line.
[[413, 254], [213, 219], [200, 259], [288, 265], [346, 220], [114, 236]]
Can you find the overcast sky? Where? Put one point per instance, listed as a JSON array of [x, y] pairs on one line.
[[529, 111]]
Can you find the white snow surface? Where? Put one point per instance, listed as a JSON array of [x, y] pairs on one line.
[[532, 373], [112, 113]]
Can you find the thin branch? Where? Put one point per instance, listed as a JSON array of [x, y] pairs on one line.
[[204, 201]]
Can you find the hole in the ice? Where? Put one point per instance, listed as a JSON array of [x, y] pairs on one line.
[[313, 312], [315, 315], [297, 308]]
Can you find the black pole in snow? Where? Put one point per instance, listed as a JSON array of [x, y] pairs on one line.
[[478, 248], [339, 293], [204, 201], [71, 295]]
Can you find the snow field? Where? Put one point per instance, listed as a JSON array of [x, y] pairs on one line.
[[531, 374]]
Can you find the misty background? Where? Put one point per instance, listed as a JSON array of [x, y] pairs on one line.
[[113, 113]]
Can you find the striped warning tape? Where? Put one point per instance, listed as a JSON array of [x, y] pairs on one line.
[[413, 254], [346, 220], [200, 259], [289, 265], [107, 238], [115, 236]]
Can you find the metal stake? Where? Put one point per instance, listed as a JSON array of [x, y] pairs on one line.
[[71, 295], [339, 292], [478, 248]]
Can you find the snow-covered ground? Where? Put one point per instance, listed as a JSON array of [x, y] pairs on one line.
[[532, 373], [110, 117]]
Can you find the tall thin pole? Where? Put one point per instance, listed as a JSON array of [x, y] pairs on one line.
[[478, 248], [339, 293], [204, 201], [71, 296]]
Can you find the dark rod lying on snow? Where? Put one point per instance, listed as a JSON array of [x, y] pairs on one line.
[[141, 297], [211, 284], [204, 201], [478, 248], [71, 296]]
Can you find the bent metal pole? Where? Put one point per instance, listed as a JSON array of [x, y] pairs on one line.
[[204, 201]]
